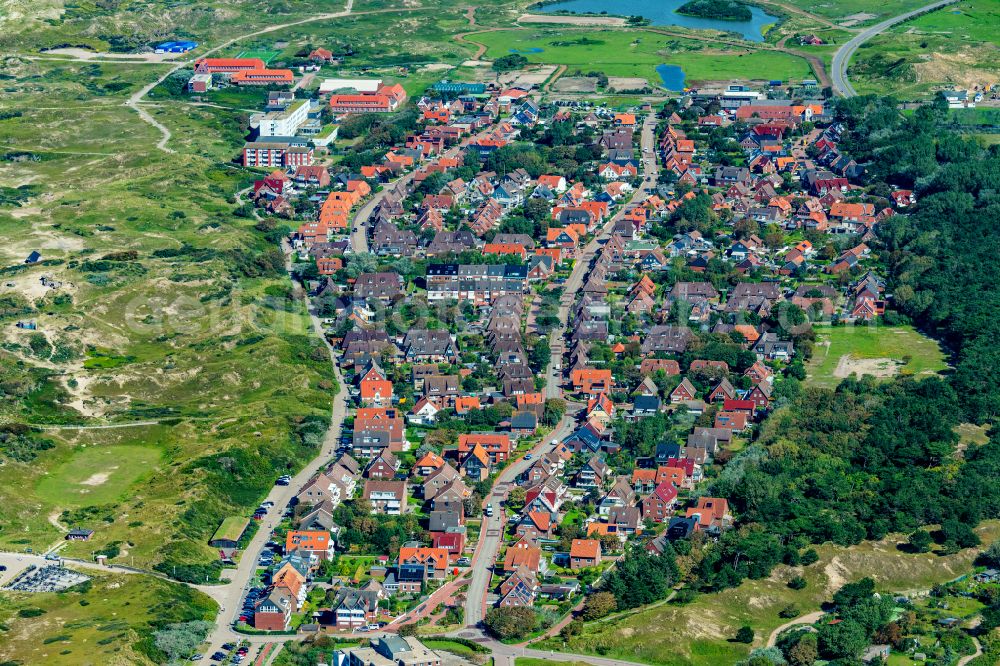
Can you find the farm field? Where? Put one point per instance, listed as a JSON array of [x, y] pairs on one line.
[[699, 633], [880, 351], [107, 620], [637, 53]]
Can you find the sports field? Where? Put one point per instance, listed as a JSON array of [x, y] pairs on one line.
[[264, 54], [882, 351]]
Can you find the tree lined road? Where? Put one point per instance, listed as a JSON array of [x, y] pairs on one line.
[[842, 57]]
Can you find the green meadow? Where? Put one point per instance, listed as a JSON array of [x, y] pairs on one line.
[[878, 350], [637, 53]]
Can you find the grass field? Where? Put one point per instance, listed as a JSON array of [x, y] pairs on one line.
[[637, 53], [97, 475], [878, 350], [106, 621], [699, 632], [267, 55]]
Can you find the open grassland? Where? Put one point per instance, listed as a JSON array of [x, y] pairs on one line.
[[108, 620], [172, 312], [878, 350], [31, 25], [957, 46], [845, 12], [700, 632], [97, 475], [637, 53]]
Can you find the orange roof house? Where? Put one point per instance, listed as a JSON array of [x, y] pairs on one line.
[[625, 119], [263, 77], [498, 445], [308, 542], [227, 65], [592, 380], [711, 512], [515, 249], [522, 554], [466, 403], [584, 553]]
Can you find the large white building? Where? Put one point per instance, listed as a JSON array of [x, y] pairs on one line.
[[361, 85], [285, 122]]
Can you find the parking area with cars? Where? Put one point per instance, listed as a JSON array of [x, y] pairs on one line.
[[46, 579]]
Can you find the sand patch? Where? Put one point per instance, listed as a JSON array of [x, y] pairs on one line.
[[99, 478], [571, 20], [855, 19], [436, 67], [526, 78], [576, 84], [962, 69], [882, 368], [836, 575], [476, 63], [627, 83]]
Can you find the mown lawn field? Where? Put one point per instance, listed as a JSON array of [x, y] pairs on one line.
[[900, 349], [700, 632], [637, 53]]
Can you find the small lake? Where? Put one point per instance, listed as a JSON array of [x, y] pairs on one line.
[[663, 12], [672, 77]]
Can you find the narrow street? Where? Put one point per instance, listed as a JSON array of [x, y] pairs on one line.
[[491, 535]]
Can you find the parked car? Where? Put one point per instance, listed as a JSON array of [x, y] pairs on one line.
[[218, 656]]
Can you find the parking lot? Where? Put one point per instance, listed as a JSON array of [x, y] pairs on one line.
[[48, 578]]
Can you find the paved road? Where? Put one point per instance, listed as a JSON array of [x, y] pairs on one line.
[[491, 532], [809, 618], [359, 224], [230, 595], [573, 284], [134, 101], [488, 546], [842, 57]]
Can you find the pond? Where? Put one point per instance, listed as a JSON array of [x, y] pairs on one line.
[[663, 12], [672, 77], [533, 49]]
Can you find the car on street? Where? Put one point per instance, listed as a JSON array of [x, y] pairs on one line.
[[3, 567], [528, 456]]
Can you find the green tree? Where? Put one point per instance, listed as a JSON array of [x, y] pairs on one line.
[[744, 634], [920, 541], [511, 622], [598, 605]]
